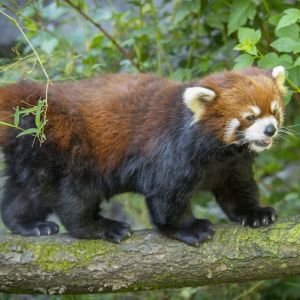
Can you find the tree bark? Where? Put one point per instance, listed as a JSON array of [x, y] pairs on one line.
[[60, 264]]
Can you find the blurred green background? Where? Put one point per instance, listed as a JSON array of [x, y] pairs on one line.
[[181, 40]]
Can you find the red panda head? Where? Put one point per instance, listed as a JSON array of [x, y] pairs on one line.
[[240, 107]]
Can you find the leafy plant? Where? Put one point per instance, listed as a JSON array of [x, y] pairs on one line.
[[40, 109], [286, 45]]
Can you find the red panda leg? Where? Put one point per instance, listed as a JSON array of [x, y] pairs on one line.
[[23, 215], [174, 219], [78, 210], [238, 196], [100, 228]]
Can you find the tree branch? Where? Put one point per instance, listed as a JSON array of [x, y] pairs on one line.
[[104, 32], [147, 260]]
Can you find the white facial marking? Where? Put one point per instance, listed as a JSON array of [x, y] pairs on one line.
[[198, 93], [256, 148], [281, 115], [232, 126], [274, 106], [256, 131], [279, 70], [256, 110], [246, 114]]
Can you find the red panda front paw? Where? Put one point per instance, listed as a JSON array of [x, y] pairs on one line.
[[262, 216], [196, 233]]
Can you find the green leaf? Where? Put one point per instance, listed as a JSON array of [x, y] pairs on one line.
[[135, 2], [292, 15], [69, 68], [82, 4], [49, 44], [146, 8], [96, 42], [286, 61], [182, 74], [274, 19], [45, 41], [272, 60], [215, 21], [184, 9], [288, 19], [240, 12], [7, 124], [52, 11], [102, 14], [30, 24], [249, 35], [39, 108], [28, 131], [149, 31], [286, 44], [294, 75], [288, 97], [248, 38], [27, 111], [243, 61], [297, 62], [291, 31], [17, 117]]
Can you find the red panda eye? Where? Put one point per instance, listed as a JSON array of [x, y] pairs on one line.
[[250, 118]]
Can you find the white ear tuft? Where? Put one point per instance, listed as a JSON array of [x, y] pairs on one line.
[[193, 97], [278, 71], [198, 93]]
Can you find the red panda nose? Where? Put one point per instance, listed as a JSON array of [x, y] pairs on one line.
[[270, 130]]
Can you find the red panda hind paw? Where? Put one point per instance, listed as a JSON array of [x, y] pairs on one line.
[[116, 231], [37, 229], [201, 230]]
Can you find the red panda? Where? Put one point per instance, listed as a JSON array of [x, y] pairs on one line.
[[140, 133]]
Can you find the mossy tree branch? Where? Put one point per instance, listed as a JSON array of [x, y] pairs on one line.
[[61, 264]]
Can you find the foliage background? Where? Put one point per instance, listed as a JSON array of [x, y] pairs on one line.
[[181, 40]]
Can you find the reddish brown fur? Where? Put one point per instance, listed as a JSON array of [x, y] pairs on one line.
[[100, 112], [236, 91], [112, 115], [12, 96]]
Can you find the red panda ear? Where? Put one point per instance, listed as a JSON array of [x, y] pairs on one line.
[[278, 73], [198, 93], [193, 97]]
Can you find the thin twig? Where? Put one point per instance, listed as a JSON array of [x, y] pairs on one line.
[[27, 40], [48, 83], [249, 291], [111, 38], [7, 67]]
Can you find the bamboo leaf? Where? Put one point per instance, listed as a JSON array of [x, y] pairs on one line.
[[17, 117], [39, 108], [28, 131], [27, 111], [7, 124]]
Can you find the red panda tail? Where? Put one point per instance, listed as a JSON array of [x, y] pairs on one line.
[[23, 94]]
